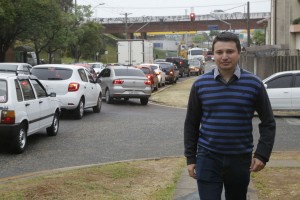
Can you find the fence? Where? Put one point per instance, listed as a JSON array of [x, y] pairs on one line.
[[266, 63]]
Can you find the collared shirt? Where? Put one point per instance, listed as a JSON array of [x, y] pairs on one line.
[[236, 75]]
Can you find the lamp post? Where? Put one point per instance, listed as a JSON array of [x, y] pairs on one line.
[[100, 4]]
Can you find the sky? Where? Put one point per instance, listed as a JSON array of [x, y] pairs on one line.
[[139, 8]]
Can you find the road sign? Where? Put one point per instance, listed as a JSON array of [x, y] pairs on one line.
[[213, 27]]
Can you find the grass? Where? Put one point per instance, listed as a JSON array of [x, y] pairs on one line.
[[142, 179]]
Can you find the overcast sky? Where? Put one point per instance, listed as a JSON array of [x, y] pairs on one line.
[[139, 8]]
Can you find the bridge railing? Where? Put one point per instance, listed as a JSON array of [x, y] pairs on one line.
[[145, 19]]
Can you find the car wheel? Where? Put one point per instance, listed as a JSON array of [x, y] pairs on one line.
[[144, 101], [126, 99], [19, 141], [97, 108], [79, 110], [53, 129], [108, 99]]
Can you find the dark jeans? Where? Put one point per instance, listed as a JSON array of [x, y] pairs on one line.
[[215, 170]]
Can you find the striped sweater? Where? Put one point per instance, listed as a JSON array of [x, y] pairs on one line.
[[219, 116]]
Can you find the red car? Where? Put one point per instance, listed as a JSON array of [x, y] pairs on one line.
[[150, 74]]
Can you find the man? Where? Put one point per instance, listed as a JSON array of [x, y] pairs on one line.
[[218, 136]]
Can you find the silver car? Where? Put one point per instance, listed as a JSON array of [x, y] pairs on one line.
[[124, 82], [23, 68]]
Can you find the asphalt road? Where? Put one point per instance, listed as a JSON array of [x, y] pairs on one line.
[[122, 131]]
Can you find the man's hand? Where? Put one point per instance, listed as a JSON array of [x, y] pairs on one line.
[[256, 165], [192, 170]]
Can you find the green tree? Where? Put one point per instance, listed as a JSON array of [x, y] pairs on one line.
[[199, 39], [259, 37]]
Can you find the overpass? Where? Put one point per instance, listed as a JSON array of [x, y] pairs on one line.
[[228, 21]]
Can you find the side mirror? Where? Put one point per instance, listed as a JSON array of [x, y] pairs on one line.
[[52, 94]]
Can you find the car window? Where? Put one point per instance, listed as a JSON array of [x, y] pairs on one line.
[[3, 91], [106, 73], [297, 81], [27, 90], [91, 78], [280, 82], [145, 70], [52, 73], [82, 75], [41, 92], [18, 91], [128, 72]]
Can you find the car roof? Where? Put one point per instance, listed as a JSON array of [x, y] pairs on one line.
[[12, 63], [281, 73], [69, 66]]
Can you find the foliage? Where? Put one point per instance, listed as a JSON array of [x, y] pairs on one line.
[[259, 37], [199, 39], [296, 21]]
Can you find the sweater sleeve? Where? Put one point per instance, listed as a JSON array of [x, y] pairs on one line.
[[191, 126], [267, 127]]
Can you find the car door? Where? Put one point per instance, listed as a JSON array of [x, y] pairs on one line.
[[296, 93], [280, 92], [93, 89], [105, 79], [46, 108], [31, 105]]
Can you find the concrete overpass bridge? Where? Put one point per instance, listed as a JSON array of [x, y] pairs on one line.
[[145, 24]]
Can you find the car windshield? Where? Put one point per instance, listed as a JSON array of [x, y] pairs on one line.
[[194, 62], [196, 52], [52, 73], [128, 72], [165, 66], [4, 66], [3, 91], [145, 70]]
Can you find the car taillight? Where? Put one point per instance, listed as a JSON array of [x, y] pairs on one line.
[[8, 117], [73, 87], [118, 81], [171, 72], [148, 82], [149, 77], [157, 73]]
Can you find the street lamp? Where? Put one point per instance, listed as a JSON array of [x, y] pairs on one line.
[[100, 4]]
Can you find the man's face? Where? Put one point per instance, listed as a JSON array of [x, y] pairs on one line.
[[226, 55]]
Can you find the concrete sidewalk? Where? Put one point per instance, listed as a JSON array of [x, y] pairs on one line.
[[187, 187]]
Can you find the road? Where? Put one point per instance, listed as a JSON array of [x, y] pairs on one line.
[[122, 131]]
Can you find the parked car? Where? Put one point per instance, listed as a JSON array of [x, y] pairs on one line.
[[150, 74], [182, 65], [171, 70], [196, 67], [124, 82], [161, 75], [97, 66], [283, 89], [25, 108], [75, 87], [23, 68]]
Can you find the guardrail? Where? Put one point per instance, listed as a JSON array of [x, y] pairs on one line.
[[144, 19]]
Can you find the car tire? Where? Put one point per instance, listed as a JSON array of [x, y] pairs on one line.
[[19, 141], [97, 108], [78, 112], [126, 99], [144, 101], [108, 99], [53, 129]]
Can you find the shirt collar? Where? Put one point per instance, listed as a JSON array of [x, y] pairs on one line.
[[237, 72]]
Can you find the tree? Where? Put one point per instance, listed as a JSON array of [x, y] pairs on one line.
[[199, 39], [259, 37]]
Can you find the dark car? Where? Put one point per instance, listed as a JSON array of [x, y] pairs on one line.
[[209, 56], [171, 70], [182, 65]]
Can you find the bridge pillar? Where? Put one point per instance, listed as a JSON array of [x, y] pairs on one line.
[[144, 35]]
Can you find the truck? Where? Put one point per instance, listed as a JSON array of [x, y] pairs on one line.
[[196, 53], [134, 52]]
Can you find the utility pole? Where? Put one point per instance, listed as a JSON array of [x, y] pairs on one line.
[[126, 24], [248, 25]]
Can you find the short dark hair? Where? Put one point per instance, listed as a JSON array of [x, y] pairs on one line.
[[226, 37]]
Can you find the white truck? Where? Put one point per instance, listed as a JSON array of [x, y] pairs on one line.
[[196, 53], [134, 52]]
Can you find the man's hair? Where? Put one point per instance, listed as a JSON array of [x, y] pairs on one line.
[[227, 37]]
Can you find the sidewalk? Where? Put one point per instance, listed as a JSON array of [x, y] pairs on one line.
[[187, 188]]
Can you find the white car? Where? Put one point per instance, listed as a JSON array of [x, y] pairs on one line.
[[97, 66], [283, 89], [161, 75], [23, 68], [25, 108], [74, 85]]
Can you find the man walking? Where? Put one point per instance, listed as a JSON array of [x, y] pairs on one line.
[[218, 128]]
